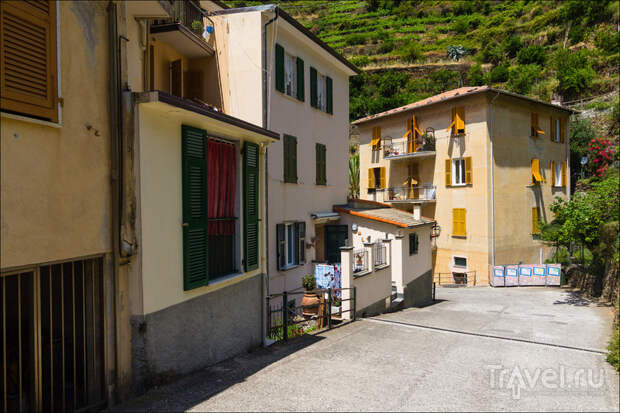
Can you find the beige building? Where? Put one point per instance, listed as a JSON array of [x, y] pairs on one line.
[[485, 164], [283, 77]]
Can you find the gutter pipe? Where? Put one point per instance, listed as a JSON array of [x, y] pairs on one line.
[[492, 181]]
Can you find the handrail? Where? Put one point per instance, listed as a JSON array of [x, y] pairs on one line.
[[404, 193]]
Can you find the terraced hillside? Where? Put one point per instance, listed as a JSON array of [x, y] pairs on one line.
[[413, 49]]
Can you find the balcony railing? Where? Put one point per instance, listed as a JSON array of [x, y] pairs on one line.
[[185, 12], [392, 149], [360, 261], [418, 193], [380, 253]]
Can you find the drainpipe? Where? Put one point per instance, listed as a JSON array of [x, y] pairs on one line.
[[492, 181], [265, 122]]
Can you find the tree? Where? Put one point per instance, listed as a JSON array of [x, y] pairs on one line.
[[573, 71], [532, 55], [475, 77], [521, 78]]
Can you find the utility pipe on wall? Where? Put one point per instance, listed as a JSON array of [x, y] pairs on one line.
[[492, 180]]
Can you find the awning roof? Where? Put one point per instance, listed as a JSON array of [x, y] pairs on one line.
[[377, 211]]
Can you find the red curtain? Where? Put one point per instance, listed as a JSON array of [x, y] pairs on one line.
[[221, 180]]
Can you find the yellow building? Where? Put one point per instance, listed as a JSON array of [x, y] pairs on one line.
[[485, 164]]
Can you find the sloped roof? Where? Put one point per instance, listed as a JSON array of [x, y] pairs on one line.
[[377, 211], [453, 94]]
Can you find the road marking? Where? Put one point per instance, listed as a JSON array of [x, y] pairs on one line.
[[469, 333]]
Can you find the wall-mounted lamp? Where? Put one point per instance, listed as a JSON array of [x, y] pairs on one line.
[[354, 227]]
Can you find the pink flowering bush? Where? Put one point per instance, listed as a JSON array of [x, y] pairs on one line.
[[601, 156]]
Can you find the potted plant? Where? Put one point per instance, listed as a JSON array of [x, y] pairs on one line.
[[197, 27], [310, 301]]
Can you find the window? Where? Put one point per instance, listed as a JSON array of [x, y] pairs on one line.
[[376, 178], [375, 143], [557, 129], [290, 159], [28, 65], [413, 244], [536, 174], [458, 222], [321, 91], [535, 130], [535, 220], [289, 74], [459, 171], [460, 262], [209, 203], [457, 127], [321, 164], [291, 240], [557, 171]]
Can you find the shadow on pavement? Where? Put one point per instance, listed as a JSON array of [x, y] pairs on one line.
[[195, 388], [577, 299]]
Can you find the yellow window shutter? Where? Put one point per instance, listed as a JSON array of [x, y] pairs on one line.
[[535, 229], [371, 178], [552, 135], [28, 59], [458, 222], [460, 119], [453, 120], [376, 138], [536, 176], [468, 173], [455, 221], [562, 130], [463, 226], [382, 177], [552, 167], [563, 173], [448, 172], [410, 134]]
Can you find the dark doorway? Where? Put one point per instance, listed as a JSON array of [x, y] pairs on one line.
[[335, 237]]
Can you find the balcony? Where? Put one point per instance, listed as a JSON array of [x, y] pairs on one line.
[[403, 150], [184, 31], [419, 194]]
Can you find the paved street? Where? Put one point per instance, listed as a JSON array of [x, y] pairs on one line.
[[476, 349]]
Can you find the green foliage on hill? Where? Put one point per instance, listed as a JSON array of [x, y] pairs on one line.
[[541, 48]]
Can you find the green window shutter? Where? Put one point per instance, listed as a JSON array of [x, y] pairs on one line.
[[286, 158], [279, 68], [250, 206], [195, 235], [330, 95], [324, 165], [294, 159], [300, 230], [301, 95], [280, 239], [290, 159], [313, 88], [321, 178]]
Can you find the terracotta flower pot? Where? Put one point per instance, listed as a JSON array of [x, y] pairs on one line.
[[311, 304]]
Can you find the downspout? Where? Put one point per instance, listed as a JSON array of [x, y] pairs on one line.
[[114, 87], [265, 121], [492, 181]]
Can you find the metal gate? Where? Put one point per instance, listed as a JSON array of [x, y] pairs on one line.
[[52, 337]]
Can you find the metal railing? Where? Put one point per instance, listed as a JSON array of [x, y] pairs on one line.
[[380, 253], [417, 193], [360, 261], [185, 12], [402, 148], [463, 278], [286, 319]]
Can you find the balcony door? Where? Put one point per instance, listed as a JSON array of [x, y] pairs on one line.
[[335, 237]]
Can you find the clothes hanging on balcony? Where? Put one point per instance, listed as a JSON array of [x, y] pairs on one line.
[[221, 178]]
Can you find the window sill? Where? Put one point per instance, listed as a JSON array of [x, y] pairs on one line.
[[381, 267], [321, 184], [28, 119], [361, 274], [284, 181], [291, 267], [224, 278], [459, 236], [322, 111], [459, 185], [290, 97]]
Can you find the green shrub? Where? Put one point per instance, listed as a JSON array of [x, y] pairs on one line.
[[521, 78], [360, 61], [356, 38], [475, 76], [511, 46], [607, 40], [613, 357], [411, 52], [460, 26], [576, 34], [499, 73], [443, 80], [491, 53], [532, 55], [308, 282], [386, 46], [573, 71]]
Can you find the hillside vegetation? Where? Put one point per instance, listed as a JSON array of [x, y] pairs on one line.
[[413, 49]]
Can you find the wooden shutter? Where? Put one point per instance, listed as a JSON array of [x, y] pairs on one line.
[[280, 245], [320, 164], [375, 143], [279, 68], [460, 120], [458, 222], [563, 173], [301, 84], [382, 177], [330, 95], [468, 172], [451, 128], [536, 176], [28, 68], [250, 206], [290, 159], [448, 172], [300, 231], [535, 218], [176, 78], [552, 136], [411, 143], [371, 178], [552, 167], [313, 88], [562, 130], [195, 234]]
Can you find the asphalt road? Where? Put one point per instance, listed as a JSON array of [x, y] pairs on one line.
[[528, 349]]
